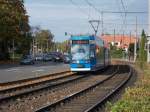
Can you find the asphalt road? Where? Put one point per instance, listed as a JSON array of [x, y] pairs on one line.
[[15, 72]]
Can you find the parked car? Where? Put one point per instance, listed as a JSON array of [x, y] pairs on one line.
[[67, 59], [56, 56], [27, 60], [48, 57], [39, 57]]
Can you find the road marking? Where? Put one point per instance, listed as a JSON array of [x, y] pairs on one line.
[[40, 70], [43, 67], [13, 69]]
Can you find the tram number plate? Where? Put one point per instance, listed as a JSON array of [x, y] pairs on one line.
[[80, 66]]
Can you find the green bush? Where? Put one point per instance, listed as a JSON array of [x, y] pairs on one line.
[[132, 105], [116, 53]]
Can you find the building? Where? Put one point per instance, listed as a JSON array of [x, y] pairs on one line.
[[120, 41]]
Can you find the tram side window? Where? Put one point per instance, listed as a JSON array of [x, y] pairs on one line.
[[92, 52], [149, 48]]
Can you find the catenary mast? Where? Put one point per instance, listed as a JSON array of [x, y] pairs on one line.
[[148, 43]]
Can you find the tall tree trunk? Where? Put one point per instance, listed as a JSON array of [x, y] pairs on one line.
[[4, 54]]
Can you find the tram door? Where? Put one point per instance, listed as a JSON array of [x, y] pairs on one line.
[[92, 55]]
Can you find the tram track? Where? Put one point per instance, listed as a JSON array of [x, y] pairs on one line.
[[26, 82], [53, 93], [97, 107], [26, 89], [86, 99]]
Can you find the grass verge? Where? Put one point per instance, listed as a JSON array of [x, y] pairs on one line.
[[136, 99]]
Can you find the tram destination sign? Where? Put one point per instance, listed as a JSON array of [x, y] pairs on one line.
[[80, 41]]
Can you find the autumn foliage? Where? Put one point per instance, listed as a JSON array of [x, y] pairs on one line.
[[13, 25]]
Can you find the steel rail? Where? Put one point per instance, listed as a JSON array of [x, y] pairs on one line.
[[49, 78], [29, 79], [68, 98], [95, 107], [52, 83]]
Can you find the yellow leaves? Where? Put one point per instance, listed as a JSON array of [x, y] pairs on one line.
[[137, 93], [145, 82]]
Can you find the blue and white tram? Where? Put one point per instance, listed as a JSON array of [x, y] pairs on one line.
[[88, 53]]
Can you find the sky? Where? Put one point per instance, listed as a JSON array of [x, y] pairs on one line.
[[60, 16]]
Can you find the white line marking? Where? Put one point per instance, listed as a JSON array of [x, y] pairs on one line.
[[9, 70], [40, 70]]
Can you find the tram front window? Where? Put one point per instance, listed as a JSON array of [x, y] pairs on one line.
[[80, 52]]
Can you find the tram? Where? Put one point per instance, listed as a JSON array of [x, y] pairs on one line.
[[88, 53]]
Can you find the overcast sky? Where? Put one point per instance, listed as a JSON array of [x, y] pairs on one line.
[[62, 16]]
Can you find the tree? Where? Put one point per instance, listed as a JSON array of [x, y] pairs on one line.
[[131, 50], [24, 45], [142, 51], [13, 24], [44, 39], [63, 46]]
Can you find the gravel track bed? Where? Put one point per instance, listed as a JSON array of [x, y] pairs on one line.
[[31, 102], [118, 95], [31, 87], [35, 94], [84, 101]]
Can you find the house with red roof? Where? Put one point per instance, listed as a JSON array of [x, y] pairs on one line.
[[120, 41]]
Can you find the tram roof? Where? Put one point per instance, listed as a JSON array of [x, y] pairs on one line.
[[83, 37]]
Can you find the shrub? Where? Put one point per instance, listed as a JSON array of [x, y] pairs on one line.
[[135, 99]]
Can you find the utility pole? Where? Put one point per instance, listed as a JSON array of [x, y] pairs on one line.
[[13, 49], [129, 52], [102, 19], [114, 37], [123, 46], [54, 47], [135, 44], [47, 45], [33, 47], [130, 36], [123, 40], [148, 38]]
